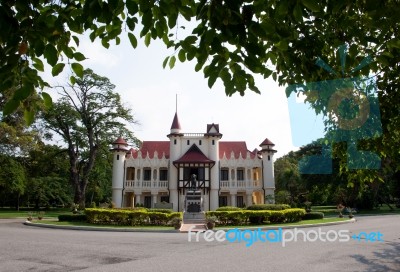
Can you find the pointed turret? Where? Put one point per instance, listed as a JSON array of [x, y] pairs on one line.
[[176, 126], [267, 145], [267, 152], [120, 148]]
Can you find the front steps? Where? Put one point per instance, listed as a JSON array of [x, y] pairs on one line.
[[196, 221]]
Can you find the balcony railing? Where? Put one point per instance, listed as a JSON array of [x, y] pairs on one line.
[[131, 184], [240, 184]]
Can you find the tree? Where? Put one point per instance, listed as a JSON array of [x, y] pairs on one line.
[[16, 138], [88, 117], [230, 40], [47, 171], [12, 180]]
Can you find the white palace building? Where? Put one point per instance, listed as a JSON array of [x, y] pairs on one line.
[[158, 174]]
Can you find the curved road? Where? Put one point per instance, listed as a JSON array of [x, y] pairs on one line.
[[24, 248]]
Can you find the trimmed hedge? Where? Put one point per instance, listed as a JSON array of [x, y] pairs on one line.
[[268, 207], [161, 210], [229, 208], [257, 217], [72, 218], [313, 215], [129, 217]]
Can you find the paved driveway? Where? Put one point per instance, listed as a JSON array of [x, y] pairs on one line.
[[24, 248]]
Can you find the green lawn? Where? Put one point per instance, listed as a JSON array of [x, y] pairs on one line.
[[52, 213], [99, 225], [331, 211]]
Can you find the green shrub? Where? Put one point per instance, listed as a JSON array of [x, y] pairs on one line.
[[277, 217], [130, 217], [270, 207], [158, 218], [137, 217], [294, 215], [72, 218], [161, 210], [229, 208], [258, 217], [313, 215], [228, 217], [175, 215]]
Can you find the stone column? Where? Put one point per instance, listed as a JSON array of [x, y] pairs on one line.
[[233, 200], [138, 199], [154, 200], [249, 199]]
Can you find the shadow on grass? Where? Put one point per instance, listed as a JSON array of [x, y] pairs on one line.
[[386, 260]]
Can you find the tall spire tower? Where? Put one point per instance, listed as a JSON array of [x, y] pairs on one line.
[[175, 147]]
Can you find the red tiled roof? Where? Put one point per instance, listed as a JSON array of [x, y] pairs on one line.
[[236, 147], [175, 122], [194, 154], [120, 141], [267, 142], [150, 147]]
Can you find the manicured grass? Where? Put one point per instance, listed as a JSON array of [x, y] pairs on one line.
[[330, 211], [99, 225], [52, 213]]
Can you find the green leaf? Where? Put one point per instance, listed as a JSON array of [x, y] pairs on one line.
[[147, 39], [172, 61], [282, 8], [105, 43], [29, 117], [394, 43], [50, 53], [311, 5], [72, 79], [11, 106], [165, 62], [282, 45], [132, 39], [78, 69], [132, 7], [182, 55], [38, 64], [298, 13], [48, 102], [79, 56], [211, 80], [76, 39], [24, 92], [57, 69]]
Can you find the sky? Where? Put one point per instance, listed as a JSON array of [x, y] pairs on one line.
[[150, 91]]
